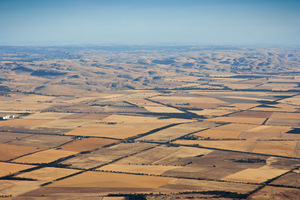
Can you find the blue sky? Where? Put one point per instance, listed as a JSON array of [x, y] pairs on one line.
[[217, 22]]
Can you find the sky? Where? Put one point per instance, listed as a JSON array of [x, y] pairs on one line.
[[97, 22]]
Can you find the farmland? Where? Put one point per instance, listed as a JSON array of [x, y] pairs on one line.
[[255, 175], [105, 155], [8, 152], [44, 156], [10, 168], [47, 173], [164, 123], [118, 126], [87, 144]]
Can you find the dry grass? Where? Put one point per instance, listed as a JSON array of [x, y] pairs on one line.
[[143, 169], [11, 168], [204, 185], [258, 175], [112, 180], [86, 116], [255, 81], [163, 155], [278, 108], [296, 171], [211, 112], [278, 86], [162, 109], [285, 115], [259, 128], [87, 144], [8, 151], [246, 98], [289, 179], [44, 156], [235, 145], [35, 98], [105, 131], [47, 173], [46, 116], [239, 85], [282, 148], [254, 114], [207, 100], [284, 122], [42, 141], [140, 94], [118, 126], [80, 100], [17, 187], [239, 106], [242, 120], [177, 131], [65, 123], [24, 106], [269, 132], [293, 100], [204, 105], [276, 193], [11, 136], [22, 122], [172, 99], [225, 131], [196, 102], [143, 102], [106, 155], [138, 119], [112, 96]]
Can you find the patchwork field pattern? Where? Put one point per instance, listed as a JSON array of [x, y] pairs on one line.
[[116, 123]]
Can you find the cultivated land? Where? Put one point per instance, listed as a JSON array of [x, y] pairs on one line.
[[177, 131], [87, 144], [188, 122], [44, 156], [8, 152], [10, 168], [47, 173]]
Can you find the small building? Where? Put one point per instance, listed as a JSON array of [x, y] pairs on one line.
[[6, 117]]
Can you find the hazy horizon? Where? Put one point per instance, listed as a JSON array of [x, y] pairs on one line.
[[192, 22]]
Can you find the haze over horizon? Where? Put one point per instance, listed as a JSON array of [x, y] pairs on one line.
[[216, 22]]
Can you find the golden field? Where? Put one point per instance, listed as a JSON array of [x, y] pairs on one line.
[[10, 168], [47, 173], [44, 156], [8, 151], [118, 126]]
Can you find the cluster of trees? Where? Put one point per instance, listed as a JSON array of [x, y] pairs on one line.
[[130, 196], [250, 160]]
